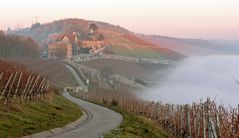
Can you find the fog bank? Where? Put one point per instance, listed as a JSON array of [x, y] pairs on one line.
[[198, 78]]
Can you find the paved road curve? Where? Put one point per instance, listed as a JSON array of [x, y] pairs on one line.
[[100, 120]]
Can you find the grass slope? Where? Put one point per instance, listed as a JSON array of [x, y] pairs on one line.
[[32, 117], [133, 126], [138, 52]]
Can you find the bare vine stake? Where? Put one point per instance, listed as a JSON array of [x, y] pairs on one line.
[[204, 121], [29, 87], [28, 80], [34, 91], [194, 119], [213, 129], [181, 122], [218, 125], [18, 83], [48, 85], [199, 122], [39, 87], [9, 91], [1, 75], [43, 87], [6, 86], [32, 88], [189, 122]]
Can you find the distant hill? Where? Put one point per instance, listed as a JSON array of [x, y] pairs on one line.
[[193, 47], [41, 31], [120, 40], [124, 42]]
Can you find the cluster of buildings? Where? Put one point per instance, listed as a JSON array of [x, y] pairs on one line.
[[68, 45]]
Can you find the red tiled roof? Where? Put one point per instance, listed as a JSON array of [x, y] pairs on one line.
[[71, 37]]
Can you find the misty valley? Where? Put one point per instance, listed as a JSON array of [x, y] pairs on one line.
[[198, 78]]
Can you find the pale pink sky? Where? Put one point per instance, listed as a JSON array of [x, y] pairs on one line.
[[213, 19]]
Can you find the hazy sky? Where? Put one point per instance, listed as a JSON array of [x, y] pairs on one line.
[[181, 18]]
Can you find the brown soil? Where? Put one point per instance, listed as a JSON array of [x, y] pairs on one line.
[[55, 70]]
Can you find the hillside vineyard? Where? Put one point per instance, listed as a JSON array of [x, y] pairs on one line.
[[19, 85]]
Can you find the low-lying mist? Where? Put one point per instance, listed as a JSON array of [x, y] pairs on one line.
[[198, 78]]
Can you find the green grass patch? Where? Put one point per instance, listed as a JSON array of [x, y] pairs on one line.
[[33, 117], [138, 52], [132, 126]]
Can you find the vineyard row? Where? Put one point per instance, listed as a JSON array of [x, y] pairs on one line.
[[22, 86], [198, 120]]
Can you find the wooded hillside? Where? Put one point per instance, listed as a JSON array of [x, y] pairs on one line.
[[17, 46]]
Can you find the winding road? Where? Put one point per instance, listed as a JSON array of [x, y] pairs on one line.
[[95, 121], [77, 78], [99, 119]]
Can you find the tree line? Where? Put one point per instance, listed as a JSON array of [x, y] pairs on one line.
[[17, 46]]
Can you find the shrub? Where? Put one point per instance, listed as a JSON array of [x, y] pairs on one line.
[[114, 102]]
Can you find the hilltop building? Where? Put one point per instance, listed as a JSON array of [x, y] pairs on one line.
[[62, 46], [60, 50], [93, 45], [68, 45]]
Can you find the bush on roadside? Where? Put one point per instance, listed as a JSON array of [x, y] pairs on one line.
[[114, 102]]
